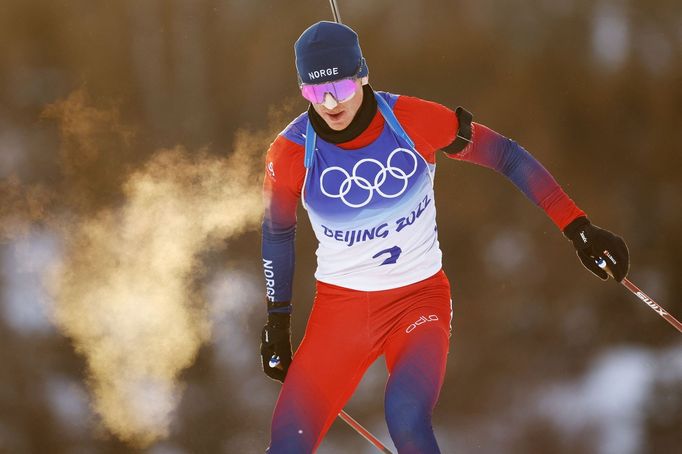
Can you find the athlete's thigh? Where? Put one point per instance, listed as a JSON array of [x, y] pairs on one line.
[[326, 368], [417, 351], [422, 325], [421, 356], [416, 358], [416, 355], [417, 371]]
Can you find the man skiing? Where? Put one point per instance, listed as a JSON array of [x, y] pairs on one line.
[[362, 162]]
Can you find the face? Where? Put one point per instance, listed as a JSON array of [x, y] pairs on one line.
[[339, 115]]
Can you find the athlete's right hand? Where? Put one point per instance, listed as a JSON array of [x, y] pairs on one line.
[[275, 347]]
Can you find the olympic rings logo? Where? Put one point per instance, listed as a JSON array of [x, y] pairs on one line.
[[370, 184]]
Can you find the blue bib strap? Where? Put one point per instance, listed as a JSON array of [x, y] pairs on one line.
[[390, 118], [310, 140]]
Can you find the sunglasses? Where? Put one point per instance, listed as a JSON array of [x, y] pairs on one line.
[[342, 90]]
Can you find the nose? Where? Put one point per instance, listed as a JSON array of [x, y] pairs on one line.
[[329, 101]]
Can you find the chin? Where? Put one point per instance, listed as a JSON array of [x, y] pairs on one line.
[[338, 127]]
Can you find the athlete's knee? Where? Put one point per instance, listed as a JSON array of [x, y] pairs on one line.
[[409, 423], [289, 447], [297, 423], [406, 420], [292, 441]]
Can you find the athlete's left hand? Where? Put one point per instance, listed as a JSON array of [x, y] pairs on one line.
[[594, 244]]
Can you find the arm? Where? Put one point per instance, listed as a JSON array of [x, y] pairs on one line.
[[492, 150], [281, 191], [487, 148], [433, 126]]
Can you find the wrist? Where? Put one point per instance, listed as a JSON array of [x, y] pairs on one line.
[[279, 307], [279, 314], [572, 230], [279, 320]]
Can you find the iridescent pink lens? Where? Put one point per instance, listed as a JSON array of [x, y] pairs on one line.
[[341, 90]]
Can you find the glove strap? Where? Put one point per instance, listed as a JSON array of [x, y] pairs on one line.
[[279, 321], [279, 307], [572, 230]]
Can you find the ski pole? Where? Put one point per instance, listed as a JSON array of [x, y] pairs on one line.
[[644, 297], [335, 11], [366, 434]]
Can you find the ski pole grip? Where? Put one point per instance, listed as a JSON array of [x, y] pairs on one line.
[[601, 263], [274, 362]]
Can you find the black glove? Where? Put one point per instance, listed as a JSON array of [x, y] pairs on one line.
[[593, 244], [275, 347]]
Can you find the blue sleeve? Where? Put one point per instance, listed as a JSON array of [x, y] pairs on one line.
[[278, 249], [282, 182]]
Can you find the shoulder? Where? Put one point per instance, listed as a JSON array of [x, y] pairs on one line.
[[289, 143], [413, 109], [284, 160], [295, 131], [285, 155], [426, 117], [431, 125], [390, 98]]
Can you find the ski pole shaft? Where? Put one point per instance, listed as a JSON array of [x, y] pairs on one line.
[[335, 11], [644, 297], [364, 432], [652, 304]]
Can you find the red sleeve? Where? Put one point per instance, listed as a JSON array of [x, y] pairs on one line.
[[284, 174], [432, 126]]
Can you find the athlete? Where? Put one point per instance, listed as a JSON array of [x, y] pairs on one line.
[[362, 163]]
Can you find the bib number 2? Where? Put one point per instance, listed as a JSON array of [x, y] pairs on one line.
[[393, 255]]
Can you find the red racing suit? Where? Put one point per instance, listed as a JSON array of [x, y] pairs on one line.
[[380, 286]]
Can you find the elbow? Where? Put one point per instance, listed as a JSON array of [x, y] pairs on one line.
[[510, 157], [278, 233]]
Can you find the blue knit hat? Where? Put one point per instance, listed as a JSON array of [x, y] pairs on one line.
[[328, 51]]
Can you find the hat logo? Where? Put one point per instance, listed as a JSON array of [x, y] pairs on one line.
[[323, 72]]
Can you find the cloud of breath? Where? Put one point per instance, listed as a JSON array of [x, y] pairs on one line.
[[125, 290]]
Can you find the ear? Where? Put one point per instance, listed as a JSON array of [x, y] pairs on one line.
[[365, 80]]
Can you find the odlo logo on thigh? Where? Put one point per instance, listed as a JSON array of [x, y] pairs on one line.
[[420, 321]]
